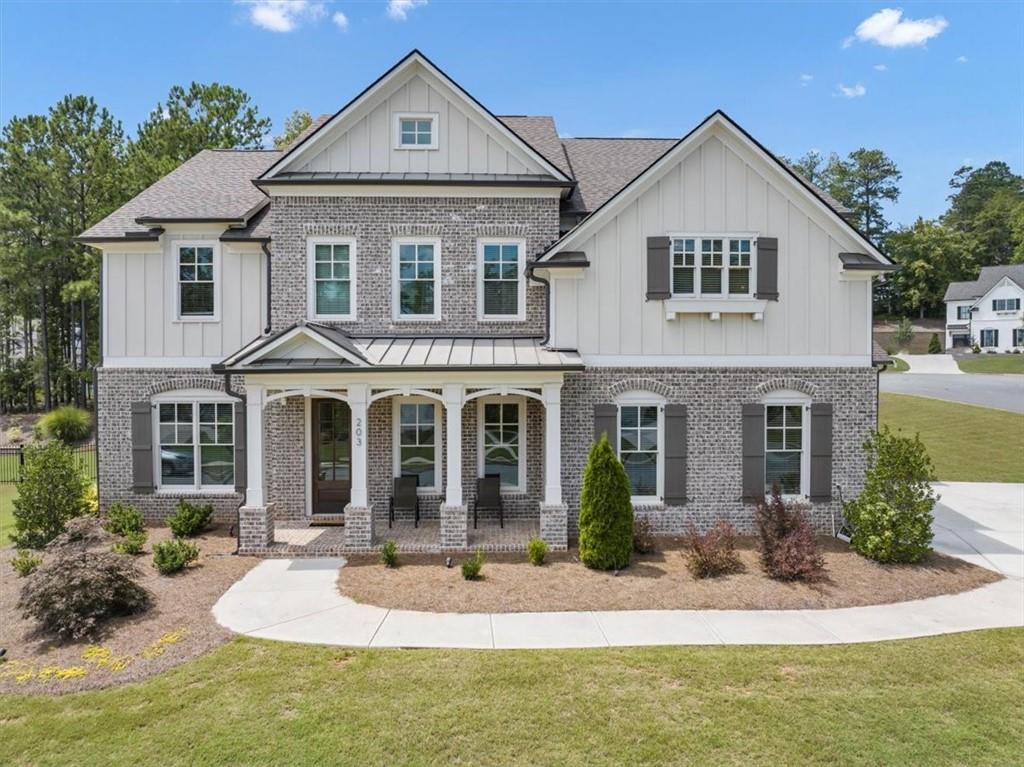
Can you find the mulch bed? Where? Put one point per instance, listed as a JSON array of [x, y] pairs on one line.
[[658, 580], [177, 627]]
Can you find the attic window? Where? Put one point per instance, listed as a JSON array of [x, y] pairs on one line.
[[416, 131]]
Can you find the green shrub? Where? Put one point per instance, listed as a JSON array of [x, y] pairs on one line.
[[81, 584], [904, 333], [472, 567], [536, 550], [172, 556], [131, 542], [25, 562], [975, 349], [123, 518], [15, 434], [606, 511], [50, 495], [389, 554], [67, 424], [892, 517], [190, 519], [934, 346], [91, 500], [712, 553], [789, 551], [643, 536]]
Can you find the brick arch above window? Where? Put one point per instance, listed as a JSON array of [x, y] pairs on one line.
[[638, 383], [788, 384], [196, 382]]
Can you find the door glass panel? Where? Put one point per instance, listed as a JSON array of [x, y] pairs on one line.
[[333, 448]]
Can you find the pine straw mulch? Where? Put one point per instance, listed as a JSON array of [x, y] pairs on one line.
[[176, 628], [658, 580]]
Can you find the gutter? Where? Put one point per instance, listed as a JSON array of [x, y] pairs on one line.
[[547, 301], [266, 251]]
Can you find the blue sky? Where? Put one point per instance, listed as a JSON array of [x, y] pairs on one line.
[[936, 86]]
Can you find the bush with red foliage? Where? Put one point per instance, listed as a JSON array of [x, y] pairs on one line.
[[712, 553], [789, 551]]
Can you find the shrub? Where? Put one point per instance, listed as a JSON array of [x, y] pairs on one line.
[[68, 424], [123, 518], [190, 519], [15, 434], [172, 556], [789, 551], [904, 333], [934, 346], [389, 554], [892, 517], [81, 584], [131, 543], [472, 567], [606, 511], [536, 550], [91, 500], [50, 494], [25, 562], [643, 535], [975, 349], [712, 553]]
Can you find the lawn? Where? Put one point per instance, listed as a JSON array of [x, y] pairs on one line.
[[897, 366], [992, 363], [946, 700], [966, 443]]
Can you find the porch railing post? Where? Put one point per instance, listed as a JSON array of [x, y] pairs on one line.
[[358, 395], [254, 398], [552, 444], [453, 396]]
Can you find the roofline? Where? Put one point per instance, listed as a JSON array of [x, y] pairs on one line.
[[153, 235], [876, 267], [534, 264], [145, 220], [221, 368], [540, 182], [226, 238], [414, 53]]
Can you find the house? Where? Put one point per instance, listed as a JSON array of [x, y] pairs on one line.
[[987, 311], [419, 288]]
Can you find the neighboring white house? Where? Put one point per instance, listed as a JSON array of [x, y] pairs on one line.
[[988, 310]]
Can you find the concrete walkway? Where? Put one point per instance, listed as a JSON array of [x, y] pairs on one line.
[[297, 601], [931, 364]]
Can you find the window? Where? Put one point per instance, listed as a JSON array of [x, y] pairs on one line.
[[1005, 304], [1018, 336], [501, 288], [503, 441], [417, 442], [417, 281], [990, 338], [196, 279], [416, 131], [963, 312], [712, 266], [639, 441], [784, 448], [331, 285], [197, 444]]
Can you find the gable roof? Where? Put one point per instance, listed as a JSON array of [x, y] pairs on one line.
[[540, 132], [603, 166], [987, 279]]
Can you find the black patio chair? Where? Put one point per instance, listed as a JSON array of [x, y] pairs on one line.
[[488, 496], [404, 498]]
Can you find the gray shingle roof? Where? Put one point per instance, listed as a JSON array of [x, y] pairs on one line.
[[990, 275], [540, 133], [602, 166]]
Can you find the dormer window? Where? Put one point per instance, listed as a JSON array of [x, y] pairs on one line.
[[712, 267], [416, 131]]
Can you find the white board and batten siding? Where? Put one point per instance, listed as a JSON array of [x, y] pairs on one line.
[[140, 322], [718, 187]]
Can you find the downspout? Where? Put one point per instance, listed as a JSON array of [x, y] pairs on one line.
[[547, 301], [96, 376], [238, 510], [270, 273]]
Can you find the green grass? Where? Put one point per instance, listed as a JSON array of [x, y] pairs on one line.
[[896, 366], [7, 495], [943, 701], [966, 443], [992, 363]]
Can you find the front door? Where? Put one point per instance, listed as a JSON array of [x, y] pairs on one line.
[[332, 456]]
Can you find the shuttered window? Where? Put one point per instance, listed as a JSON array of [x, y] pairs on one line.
[[502, 288], [784, 448], [712, 266], [639, 447], [197, 444], [196, 281], [990, 338]]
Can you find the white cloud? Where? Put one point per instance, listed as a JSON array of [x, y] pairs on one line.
[[880, 68], [399, 9], [805, 80], [848, 41], [340, 19], [852, 91], [961, 59], [283, 15], [890, 29]]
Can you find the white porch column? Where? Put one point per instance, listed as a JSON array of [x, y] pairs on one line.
[[453, 395], [254, 400], [358, 395], [552, 444]]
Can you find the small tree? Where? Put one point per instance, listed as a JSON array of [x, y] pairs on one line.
[[904, 333], [789, 551], [934, 346], [606, 511], [52, 493], [892, 517]]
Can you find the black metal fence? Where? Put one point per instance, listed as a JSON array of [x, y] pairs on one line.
[[12, 462]]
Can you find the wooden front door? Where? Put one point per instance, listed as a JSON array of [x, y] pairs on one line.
[[332, 456]]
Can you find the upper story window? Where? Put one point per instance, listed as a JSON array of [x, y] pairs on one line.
[[196, 443], [417, 285], [332, 289], [963, 312], [196, 267], [416, 131], [714, 267], [501, 287], [1005, 304]]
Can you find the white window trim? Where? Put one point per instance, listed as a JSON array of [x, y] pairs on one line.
[[396, 314], [520, 315], [311, 244], [784, 398], [648, 399], [725, 295], [521, 487], [981, 338], [195, 397], [396, 426], [434, 122], [176, 247]]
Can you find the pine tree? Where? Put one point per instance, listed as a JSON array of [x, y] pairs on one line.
[[606, 511]]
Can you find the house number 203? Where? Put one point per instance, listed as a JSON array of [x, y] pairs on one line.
[[358, 431]]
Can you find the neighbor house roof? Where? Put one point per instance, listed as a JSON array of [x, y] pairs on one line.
[[990, 275]]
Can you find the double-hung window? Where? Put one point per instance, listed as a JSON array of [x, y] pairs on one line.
[[1018, 336], [784, 448], [417, 285], [417, 442], [640, 445], [416, 131], [963, 312], [196, 442], [713, 267], [990, 338], [196, 271], [332, 284], [502, 448], [501, 289], [1005, 304]]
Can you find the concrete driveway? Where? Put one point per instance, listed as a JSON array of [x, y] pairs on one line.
[[1005, 392], [931, 364], [983, 523]]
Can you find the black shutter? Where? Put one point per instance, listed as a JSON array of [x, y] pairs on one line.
[[240, 446], [675, 455], [606, 418], [753, 453], [658, 270], [142, 447], [821, 451], [767, 268]]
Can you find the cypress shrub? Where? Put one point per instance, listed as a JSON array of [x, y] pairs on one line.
[[606, 511]]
